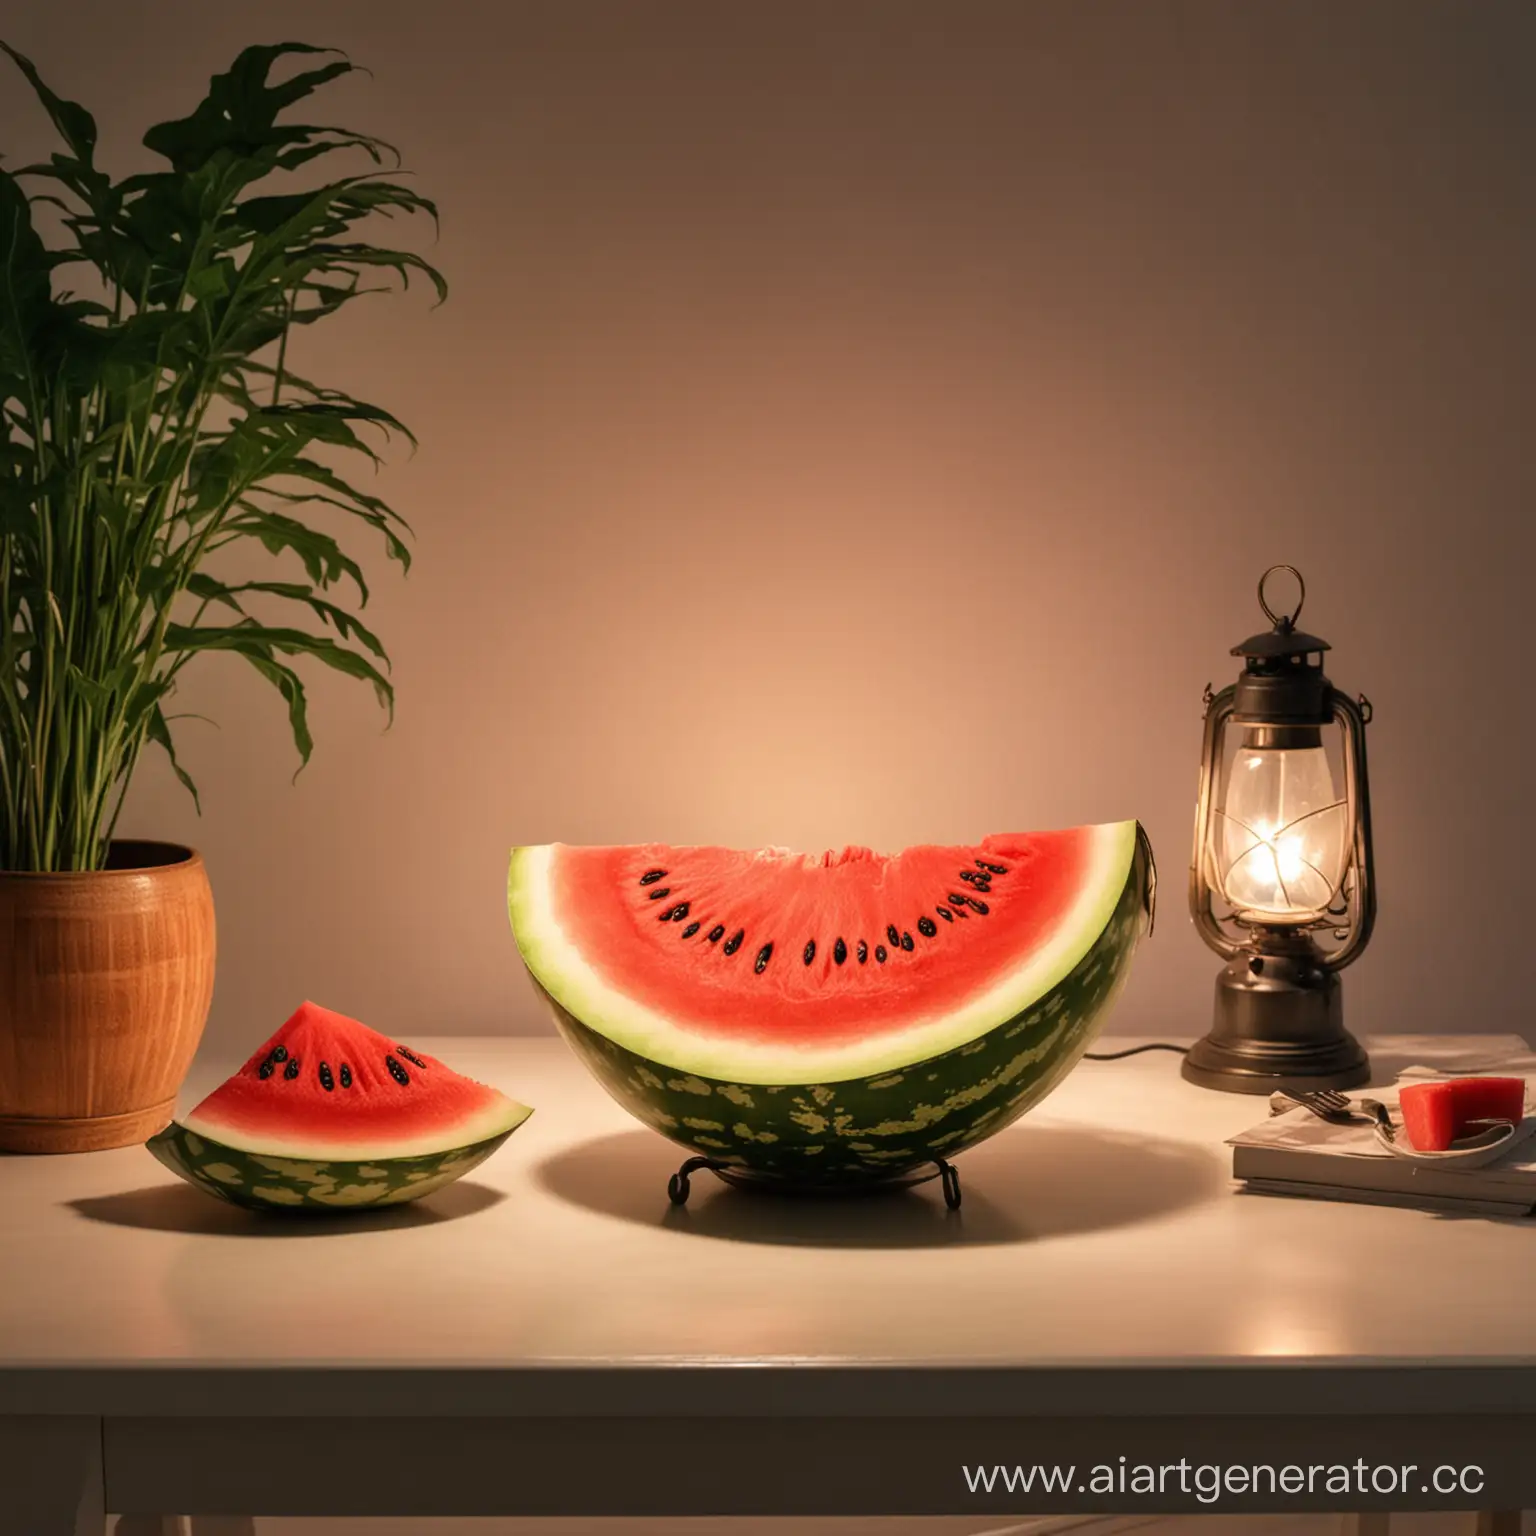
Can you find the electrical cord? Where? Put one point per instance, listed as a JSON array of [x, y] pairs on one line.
[[1136, 1050]]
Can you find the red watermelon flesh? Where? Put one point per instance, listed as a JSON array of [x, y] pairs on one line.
[[1437, 1114], [804, 967], [327, 1087]]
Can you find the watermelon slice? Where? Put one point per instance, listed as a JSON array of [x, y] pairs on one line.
[[329, 1113], [835, 1017], [1437, 1114]]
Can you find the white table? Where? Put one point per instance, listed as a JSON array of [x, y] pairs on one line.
[[550, 1336]]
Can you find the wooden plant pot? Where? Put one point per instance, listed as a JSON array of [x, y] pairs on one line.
[[105, 981]]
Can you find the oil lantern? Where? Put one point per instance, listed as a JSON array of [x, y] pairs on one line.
[[1283, 848]]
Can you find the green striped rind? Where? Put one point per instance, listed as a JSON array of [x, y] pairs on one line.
[[264, 1183], [865, 1130]]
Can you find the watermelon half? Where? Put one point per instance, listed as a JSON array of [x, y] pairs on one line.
[[840, 1018], [330, 1114]]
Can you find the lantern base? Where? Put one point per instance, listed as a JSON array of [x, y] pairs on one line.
[[1279, 1024]]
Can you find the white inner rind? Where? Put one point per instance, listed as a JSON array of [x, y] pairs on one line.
[[565, 973], [349, 1146]]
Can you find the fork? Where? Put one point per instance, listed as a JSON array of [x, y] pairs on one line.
[[1325, 1103], [1330, 1104]]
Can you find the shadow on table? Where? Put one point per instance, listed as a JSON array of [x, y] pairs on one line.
[[1035, 1183], [180, 1208]]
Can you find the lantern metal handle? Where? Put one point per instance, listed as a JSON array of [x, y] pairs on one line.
[[1282, 621], [1219, 707], [1353, 717]]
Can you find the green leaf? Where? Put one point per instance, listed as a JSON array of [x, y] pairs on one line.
[[248, 636], [346, 258], [290, 686], [26, 297], [211, 282], [76, 126], [209, 589], [324, 560], [261, 645], [347, 625], [328, 140], [159, 731], [395, 546], [239, 111], [97, 693], [315, 473], [329, 421]]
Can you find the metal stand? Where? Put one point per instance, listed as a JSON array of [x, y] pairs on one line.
[[679, 1186], [949, 1179]]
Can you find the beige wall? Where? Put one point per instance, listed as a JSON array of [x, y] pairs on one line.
[[866, 422]]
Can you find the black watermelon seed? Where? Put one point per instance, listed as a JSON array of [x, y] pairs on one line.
[[839, 952], [969, 874], [993, 869], [691, 929], [906, 941], [715, 933], [927, 927], [326, 1080], [764, 955], [396, 1071], [863, 951], [945, 913], [279, 1053], [664, 891], [291, 1071], [266, 1069], [733, 943], [810, 951], [893, 933], [680, 911], [980, 906], [651, 876], [410, 1056], [880, 953], [955, 899], [346, 1075]]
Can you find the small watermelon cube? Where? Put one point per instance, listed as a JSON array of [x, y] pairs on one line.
[[1436, 1114]]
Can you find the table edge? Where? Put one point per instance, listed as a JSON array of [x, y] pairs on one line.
[[810, 1389]]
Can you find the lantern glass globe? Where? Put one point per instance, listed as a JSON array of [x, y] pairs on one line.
[[1281, 841]]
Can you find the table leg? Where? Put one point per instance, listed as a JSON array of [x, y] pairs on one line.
[[50, 1477]]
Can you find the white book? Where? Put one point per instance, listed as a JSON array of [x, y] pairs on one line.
[[1458, 1206], [1295, 1147]]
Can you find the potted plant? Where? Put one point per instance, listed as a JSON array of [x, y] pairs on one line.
[[149, 420]]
